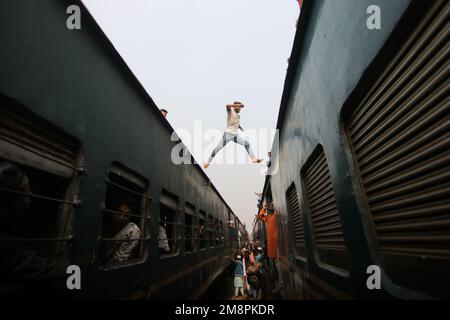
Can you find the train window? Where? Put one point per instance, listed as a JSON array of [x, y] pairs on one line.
[[217, 233], [324, 212], [125, 217], [295, 216], [189, 227], [202, 229], [52, 162], [221, 235], [210, 230], [399, 140], [168, 224]]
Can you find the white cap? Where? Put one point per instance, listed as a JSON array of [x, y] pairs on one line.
[[239, 256], [259, 249]]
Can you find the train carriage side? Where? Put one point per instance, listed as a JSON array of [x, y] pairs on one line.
[[363, 153], [73, 116]]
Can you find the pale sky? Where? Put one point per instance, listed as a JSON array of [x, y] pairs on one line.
[[193, 57]]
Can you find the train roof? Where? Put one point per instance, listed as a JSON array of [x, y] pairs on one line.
[[142, 91]]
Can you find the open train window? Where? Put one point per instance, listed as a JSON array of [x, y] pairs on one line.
[[296, 219], [189, 228], [125, 218], [323, 211], [398, 135], [210, 229], [221, 235], [217, 233], [202, 229], [168, 224], [52, 161]]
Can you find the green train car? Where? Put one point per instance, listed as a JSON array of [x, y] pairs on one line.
[[75, 119], [361, 173]]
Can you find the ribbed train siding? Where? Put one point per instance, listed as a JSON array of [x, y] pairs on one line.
[[324, 213], [296, 220], [400, 136]]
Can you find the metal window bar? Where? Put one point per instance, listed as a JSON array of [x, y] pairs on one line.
[[172, 239], [143, 195], [171, 223], [79, 170], [37, 239], [109, 211], [37, 196], [123, 240]]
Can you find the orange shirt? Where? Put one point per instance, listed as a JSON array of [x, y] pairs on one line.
[[272, 233]]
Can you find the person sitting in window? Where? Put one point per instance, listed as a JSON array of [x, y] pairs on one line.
[[127, 236], [20, 266], [163, 241]]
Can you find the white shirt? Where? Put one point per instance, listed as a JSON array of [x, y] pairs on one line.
[[163, 242], [233, 121], [124, 249]]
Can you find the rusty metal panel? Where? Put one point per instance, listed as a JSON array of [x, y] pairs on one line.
[[323, 210], [400, 139]]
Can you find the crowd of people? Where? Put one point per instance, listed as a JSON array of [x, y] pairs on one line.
[[257, 270]]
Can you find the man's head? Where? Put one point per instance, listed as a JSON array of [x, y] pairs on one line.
[[13, 205], [122, 216], [269, 207], [238, 106], [164, 112]]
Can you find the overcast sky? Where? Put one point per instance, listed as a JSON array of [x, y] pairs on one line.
[[193, 57]]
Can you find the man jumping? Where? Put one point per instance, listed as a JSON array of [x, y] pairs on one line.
[[232, 133]]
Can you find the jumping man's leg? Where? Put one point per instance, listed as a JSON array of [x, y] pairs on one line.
[[243, 142], [225, 139]]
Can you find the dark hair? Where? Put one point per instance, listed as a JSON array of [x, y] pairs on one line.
[[237, 102], [164, 110], [11, 177]]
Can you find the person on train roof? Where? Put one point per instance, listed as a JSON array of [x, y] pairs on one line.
[[126, 238], [21, 268], [232, 133]]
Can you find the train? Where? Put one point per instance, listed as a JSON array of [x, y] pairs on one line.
[[77, 121], [360, 178]]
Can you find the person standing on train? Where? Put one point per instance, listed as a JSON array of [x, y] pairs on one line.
[[127, 236], [22, 268], [232, 133], [269, 217]]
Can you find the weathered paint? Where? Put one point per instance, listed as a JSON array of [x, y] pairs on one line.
[[76, 80], [332, 51]]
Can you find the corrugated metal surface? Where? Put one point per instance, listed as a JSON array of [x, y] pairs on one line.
[[24, 138], [400, 135], [323, 209], [296, 219], [31, 136]]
